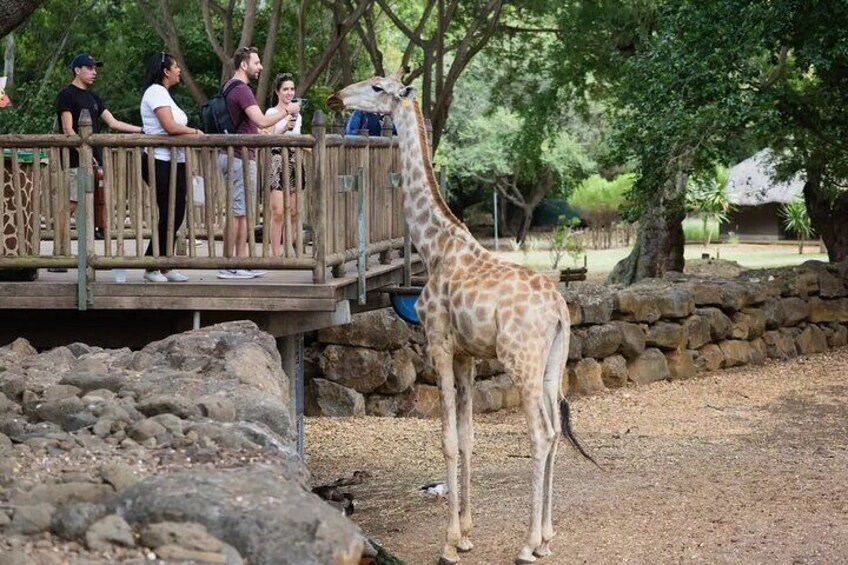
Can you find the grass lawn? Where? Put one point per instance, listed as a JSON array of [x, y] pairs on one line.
[[751, 256]]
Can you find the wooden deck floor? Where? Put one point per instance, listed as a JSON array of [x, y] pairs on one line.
[[277, 291]]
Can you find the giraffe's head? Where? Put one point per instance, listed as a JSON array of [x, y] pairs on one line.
[[380, 95]]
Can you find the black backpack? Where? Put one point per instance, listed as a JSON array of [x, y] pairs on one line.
[[215, 114]]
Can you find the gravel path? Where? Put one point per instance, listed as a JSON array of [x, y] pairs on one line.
[[742, 466]]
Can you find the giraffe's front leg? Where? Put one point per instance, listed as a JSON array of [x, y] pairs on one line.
[[464, 371], [443, 364]]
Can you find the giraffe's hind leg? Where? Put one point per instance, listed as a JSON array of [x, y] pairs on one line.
[[464, 374], [543, 437]]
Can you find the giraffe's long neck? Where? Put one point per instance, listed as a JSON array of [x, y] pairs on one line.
[[426, 212]]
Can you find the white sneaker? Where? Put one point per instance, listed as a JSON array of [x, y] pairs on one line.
[[154, 276], [175, 276], [235, 274], [257, 273]]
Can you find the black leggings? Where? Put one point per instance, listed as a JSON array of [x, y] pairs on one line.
[[163, 181]]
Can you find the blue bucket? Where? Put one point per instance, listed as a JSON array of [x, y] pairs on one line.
[[404, 306]]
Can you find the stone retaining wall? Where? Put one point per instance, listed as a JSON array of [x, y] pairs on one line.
[[674, 328]]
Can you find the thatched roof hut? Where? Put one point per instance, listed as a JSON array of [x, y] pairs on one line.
[[750, 183]]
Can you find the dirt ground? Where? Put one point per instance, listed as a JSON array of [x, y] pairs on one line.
[[742, 466]]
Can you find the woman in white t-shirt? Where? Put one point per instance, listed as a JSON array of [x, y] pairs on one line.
[[281, 101], [160, 115]]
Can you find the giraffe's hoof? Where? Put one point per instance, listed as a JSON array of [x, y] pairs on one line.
[[465, 546], [542, 551], [525, 557]]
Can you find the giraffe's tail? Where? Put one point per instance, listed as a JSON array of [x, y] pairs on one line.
[[568, 433]]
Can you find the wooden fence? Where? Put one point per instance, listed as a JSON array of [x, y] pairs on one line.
[[350, 202]]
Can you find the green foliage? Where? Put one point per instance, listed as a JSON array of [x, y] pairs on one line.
[[562, 241], [598, 200], [707, 197], [796, 220], [696, 231]]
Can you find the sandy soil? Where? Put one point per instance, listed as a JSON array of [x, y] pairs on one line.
[[742, 466]]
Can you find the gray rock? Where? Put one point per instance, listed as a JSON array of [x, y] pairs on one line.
[[831, 286], [710, 358], [756, 320], [488, 397], [736, 352], [5, 443], [64, 493], [168, 404], [20, 347], [780, 344], [12, 384], [650, 366], [379, 329], [601, 341], [59, 392], [73, 520], [109, 531], [795, 310], [31, 519], [697, 329], [773, 310], [806, 284], [614, 371], [401, 374], [704, 293], [15, 557], [595, 308], [99, 395], [681, 364], [719, 322], [361, 369], [675, 303], [91, 365], [835, 310], [632, 339], [69, 413], [146, 430], [269, 518], [217, 408], [487, 368], [118, 474], [666, 335], [190, 536], [171, 423], [637, 306], [92, 381], [585, 377], [79, 349], [390, 406], [326, 398], [838, 336], [811, 340], [4, 519], [575, 347]]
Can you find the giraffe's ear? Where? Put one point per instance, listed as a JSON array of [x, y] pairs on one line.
[[406, 92]]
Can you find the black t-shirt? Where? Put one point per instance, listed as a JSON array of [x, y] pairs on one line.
[[74, 100]]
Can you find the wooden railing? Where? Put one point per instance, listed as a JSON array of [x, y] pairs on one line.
[[349, 187]]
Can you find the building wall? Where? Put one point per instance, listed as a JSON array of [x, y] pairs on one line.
[[756, 222]]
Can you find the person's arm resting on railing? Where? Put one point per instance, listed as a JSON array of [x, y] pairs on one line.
[[116, 124]]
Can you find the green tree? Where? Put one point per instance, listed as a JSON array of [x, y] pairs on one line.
[[599, 202], [796, 220], [707, 197]]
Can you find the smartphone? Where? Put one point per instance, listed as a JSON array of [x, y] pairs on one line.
[[302, 102]]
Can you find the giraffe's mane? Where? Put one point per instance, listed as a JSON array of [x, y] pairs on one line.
[[432, 185]]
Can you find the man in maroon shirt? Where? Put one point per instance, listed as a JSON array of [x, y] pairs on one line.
[[247, 119]]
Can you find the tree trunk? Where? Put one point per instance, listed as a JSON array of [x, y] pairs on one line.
[[9, 62], [14, 12], [659, 243], [827, 215]]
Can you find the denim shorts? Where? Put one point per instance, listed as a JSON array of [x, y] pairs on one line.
[[239, 204]]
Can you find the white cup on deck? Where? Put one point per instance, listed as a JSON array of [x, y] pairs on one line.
[[120, 275]]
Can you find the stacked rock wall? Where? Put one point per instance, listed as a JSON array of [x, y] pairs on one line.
[[673, 328]]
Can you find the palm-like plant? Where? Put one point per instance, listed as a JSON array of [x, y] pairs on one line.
[[708, 199], [796, 220]]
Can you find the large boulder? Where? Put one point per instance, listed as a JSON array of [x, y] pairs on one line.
[[780, 344], [681, 364], [710, 358], [614, 371], [265, 512], [327, 398], [755, 320], [637, 306], [828, 310], [666, 335], [378, 329], [719, 322], [488, 397], [585, 377], [426, 402], [596, 307], [648, 367], [736, 352], [697, 329], [831, 286], [795, 310], [632, 339], [601, 341], [390, 406], [364, 370], [812, 339], [773, 310], [837, 335], [704, 293], [401, 372], [675, 303]]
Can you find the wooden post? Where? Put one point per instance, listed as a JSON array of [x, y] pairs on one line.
[[319, 190], [85, 213], [384, 170]]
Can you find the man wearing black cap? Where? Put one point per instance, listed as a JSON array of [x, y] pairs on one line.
[[75, 98]]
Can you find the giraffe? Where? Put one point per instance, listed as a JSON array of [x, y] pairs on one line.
[[476, 305]]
